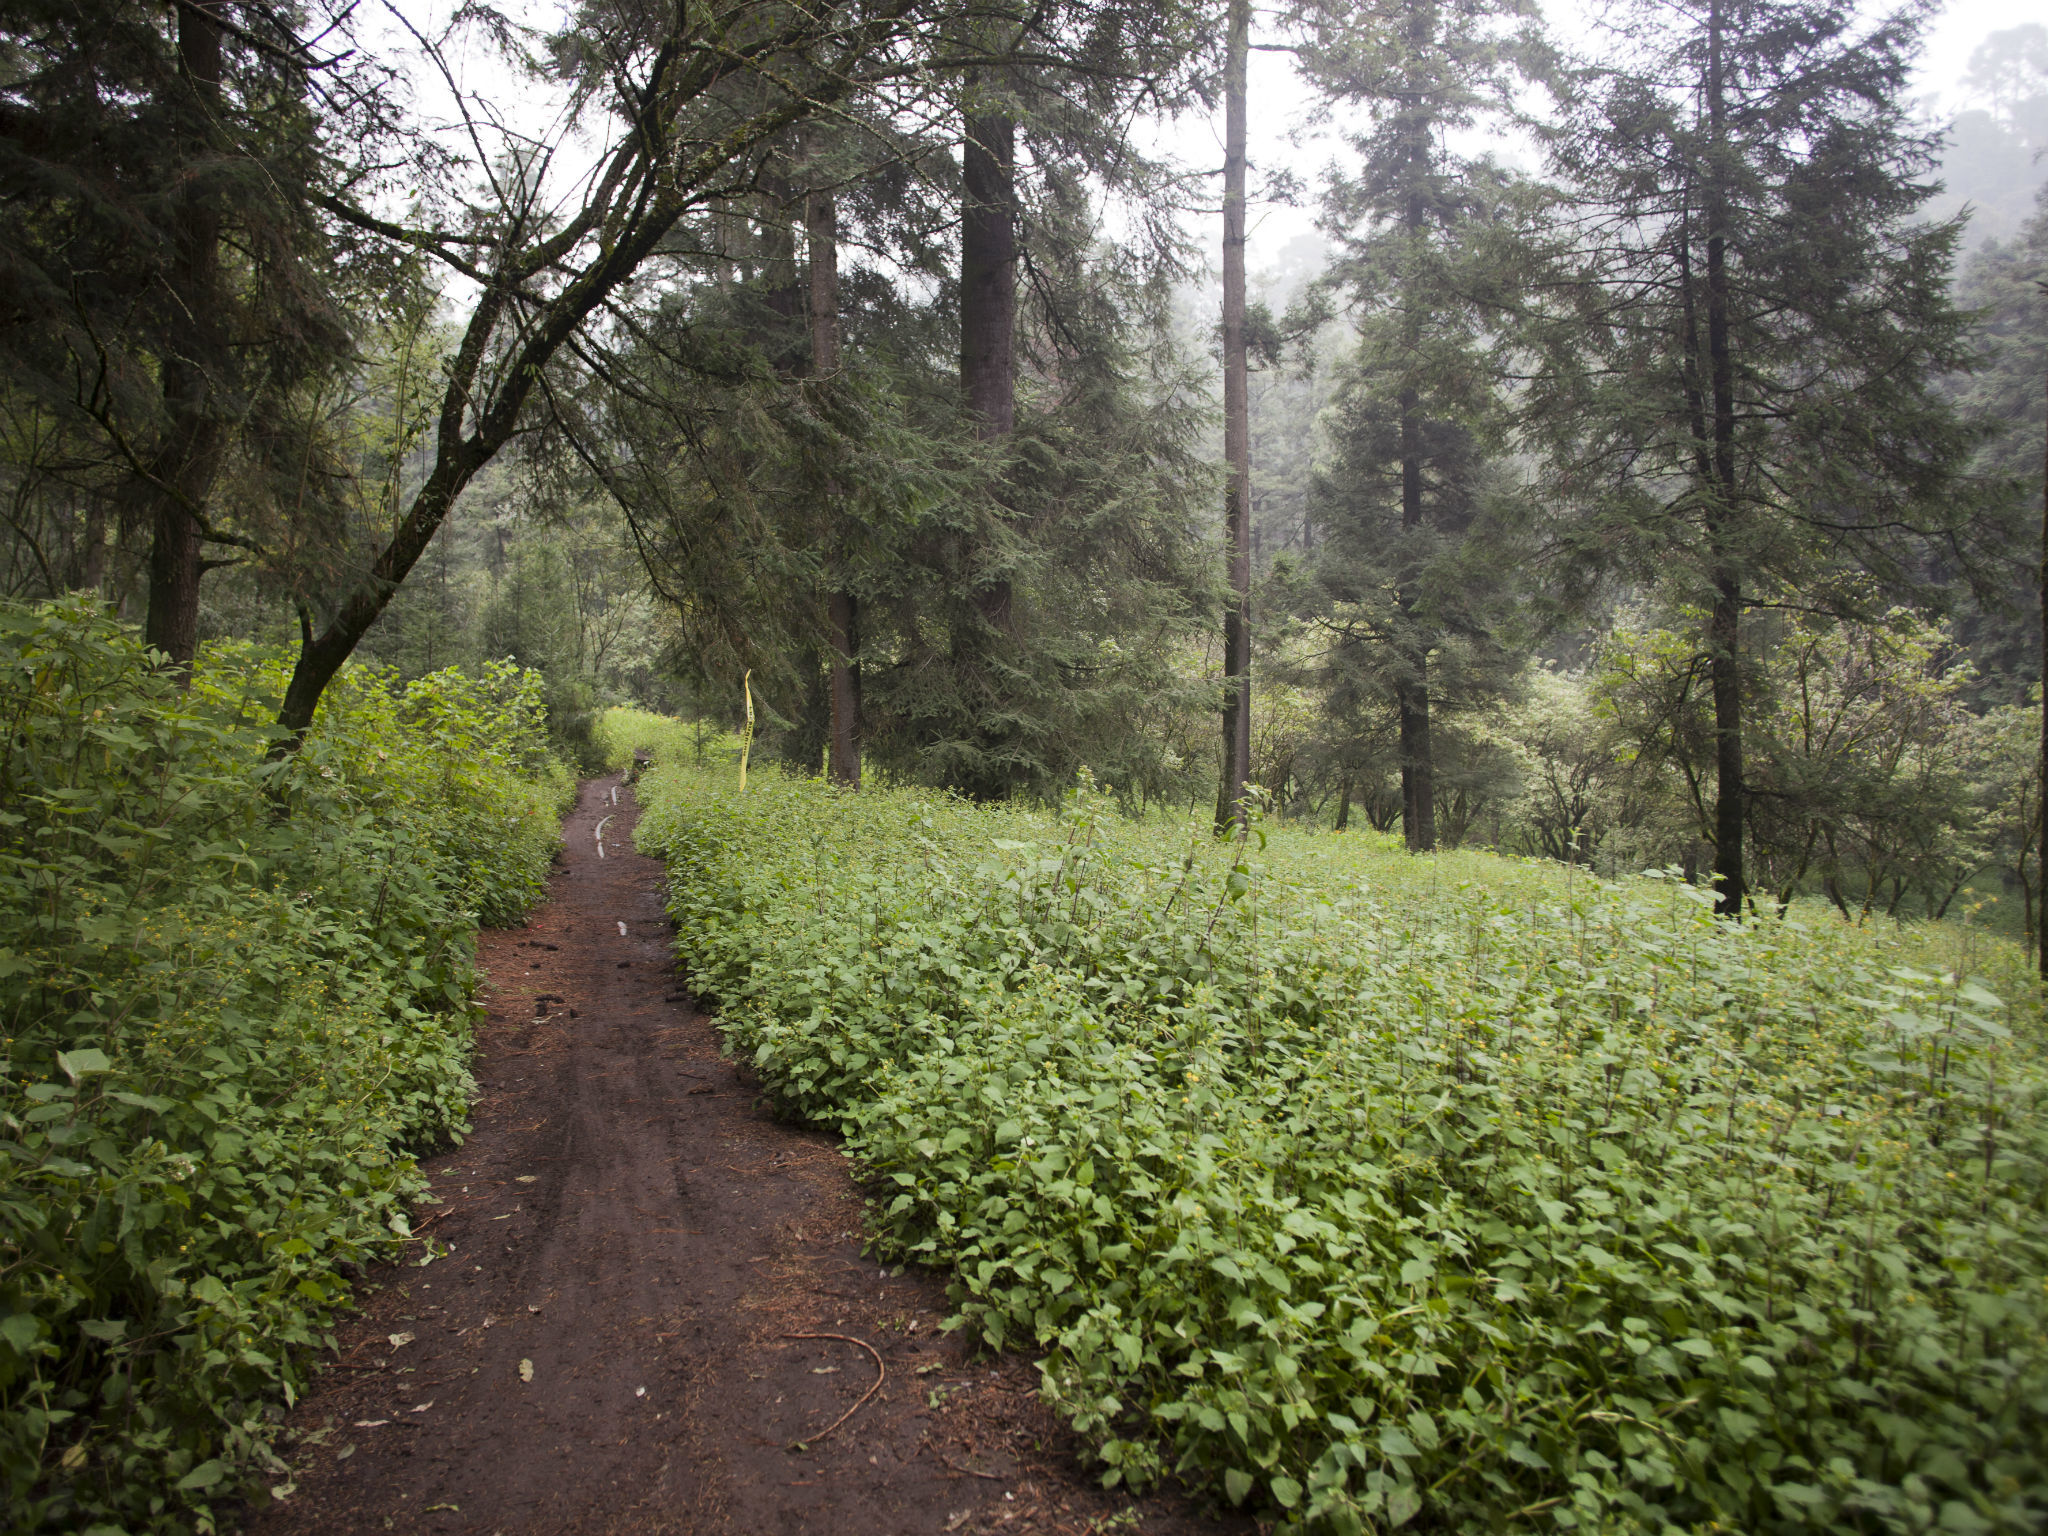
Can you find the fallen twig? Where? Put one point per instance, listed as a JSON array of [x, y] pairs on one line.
[[446, 1210], [994, 1477], [881, 1375]]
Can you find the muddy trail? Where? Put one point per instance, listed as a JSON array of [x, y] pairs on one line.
[[650, 1311]]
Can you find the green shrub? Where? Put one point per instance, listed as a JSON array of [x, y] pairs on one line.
[[234, 990], [622, 731], [1458, 1190], [464, 766]]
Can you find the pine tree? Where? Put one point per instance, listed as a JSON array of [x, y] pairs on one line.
[[1742, 384], [1430, 249], [700, 130], [871, 489], [2003, 397], [842, 634], [2009, 285], [1237, 435], [172, 297]]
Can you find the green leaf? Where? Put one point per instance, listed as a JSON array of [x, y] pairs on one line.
[[1404, 1503], [1396, 1443], [202, 1477], [77, 1064], [1423, 1428], [1803, 1494]]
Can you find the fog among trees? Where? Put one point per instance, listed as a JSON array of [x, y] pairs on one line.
[[1640, 467]]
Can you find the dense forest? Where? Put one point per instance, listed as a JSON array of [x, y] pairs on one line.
[[1635, 470], [1641, 468]]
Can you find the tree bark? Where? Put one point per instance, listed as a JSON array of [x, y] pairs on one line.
[[988, 298], [1411, 696], [988, 272], [784, 286], [172, 625], [1724, 640], [182, 472], [821, 231], [1237, 648], [93, 558], [1724, 627], [1418, 774], [2041, 947], [842, 751]]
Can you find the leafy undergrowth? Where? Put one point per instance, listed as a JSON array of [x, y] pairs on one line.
[[1461, 1193], [234, 990], [623, 731]]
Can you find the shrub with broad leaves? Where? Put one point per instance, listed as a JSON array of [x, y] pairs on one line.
[[235, 992], [1459, 1191]]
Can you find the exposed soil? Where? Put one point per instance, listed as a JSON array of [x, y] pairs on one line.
[[650, 1311]]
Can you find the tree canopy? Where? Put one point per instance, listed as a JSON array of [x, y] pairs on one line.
[[863, 351]]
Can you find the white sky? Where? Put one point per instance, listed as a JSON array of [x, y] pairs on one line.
[[1281, 102]]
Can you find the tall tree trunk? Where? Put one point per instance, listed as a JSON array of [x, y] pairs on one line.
[[988, 296], [1724, 626], [842, 754], [843, 634], [93, 558], [1724, 639], [1418, 773], [182, 473], [1411, 696], [1237, 436], [784, 289], [172, 625], [2042, 947]]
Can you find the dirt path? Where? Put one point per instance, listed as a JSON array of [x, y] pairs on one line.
[[610, 1342]]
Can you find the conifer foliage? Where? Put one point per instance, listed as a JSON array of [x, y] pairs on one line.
[[1750, 327], [1409, 575], [172, 304]]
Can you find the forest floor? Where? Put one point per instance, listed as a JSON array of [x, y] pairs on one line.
[[650, 1311]]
